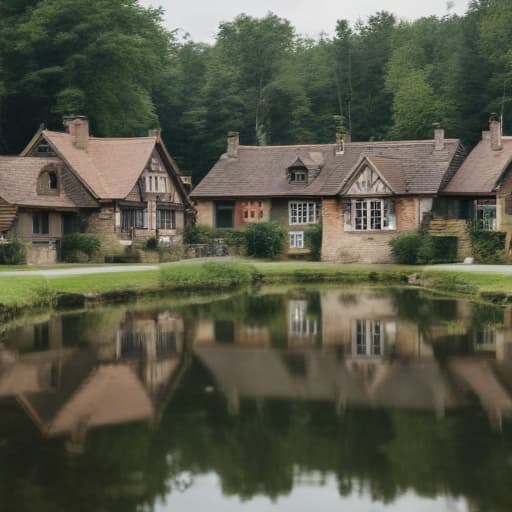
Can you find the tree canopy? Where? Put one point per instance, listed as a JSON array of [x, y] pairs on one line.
[[116, 63]]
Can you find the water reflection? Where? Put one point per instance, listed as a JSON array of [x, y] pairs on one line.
[[361, 399], [391, 348], [72, 373]]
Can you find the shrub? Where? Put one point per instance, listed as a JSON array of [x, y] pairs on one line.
[[488, 246], [12, 253], [313, 239], [437, 249], [265, 239], [76, 243], [405, 247], [197, 234], [151, 244]]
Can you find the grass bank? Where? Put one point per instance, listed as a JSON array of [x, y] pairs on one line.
[[19, 293]]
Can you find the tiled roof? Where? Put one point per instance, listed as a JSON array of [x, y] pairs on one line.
[[482, 169], [109, 167], [262, 171], [18, 183]]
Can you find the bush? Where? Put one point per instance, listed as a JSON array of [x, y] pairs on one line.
[[437, 249], [76, 245], [313, 239], [12, 253], [405, 248], [488, 246], [265, 239], [414, 248], [197, 234], [151, 244]]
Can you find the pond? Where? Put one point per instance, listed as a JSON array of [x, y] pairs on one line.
[[284, 399]]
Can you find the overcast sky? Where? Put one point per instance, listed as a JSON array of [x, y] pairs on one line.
[[201, 18]]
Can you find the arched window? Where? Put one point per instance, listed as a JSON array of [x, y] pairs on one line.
[[48, 180], [52, 180]]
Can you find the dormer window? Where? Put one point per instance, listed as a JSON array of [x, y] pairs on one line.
[[298, 175]]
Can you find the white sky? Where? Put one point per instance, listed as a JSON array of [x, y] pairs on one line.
[[201, 18]]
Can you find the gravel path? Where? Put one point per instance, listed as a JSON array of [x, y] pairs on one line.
[[460, 267], [80, 271]]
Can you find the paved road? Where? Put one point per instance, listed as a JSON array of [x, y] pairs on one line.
[[460, 267], [80, 271]]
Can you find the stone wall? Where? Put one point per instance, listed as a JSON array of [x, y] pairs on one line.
[[362, 246], [504, 219], [204, 210], [42, 253]]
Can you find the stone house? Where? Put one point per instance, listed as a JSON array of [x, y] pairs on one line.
[[122, 190], [481, 189], [364, 193]]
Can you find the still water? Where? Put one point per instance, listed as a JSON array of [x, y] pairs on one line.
[[281, 400]]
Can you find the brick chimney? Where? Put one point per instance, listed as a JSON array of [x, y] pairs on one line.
[[233, 143], [78, 129], [495, 132], [438, 137]]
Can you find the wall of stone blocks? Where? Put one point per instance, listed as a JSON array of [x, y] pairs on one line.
[[362, 247]]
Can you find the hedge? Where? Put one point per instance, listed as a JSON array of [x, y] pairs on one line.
[[488, 246], [12, 253], [414, 248], [79, 247], [265, 239], [438, 249]]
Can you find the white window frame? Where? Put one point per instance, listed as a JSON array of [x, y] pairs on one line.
[[296, 239], [165, 218], [303, 212], [369, 337], [371, 214]]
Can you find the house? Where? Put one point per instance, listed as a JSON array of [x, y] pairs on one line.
[[120, 189], [365, 193], [481, 189]]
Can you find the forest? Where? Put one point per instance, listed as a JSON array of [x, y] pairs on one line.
[[382, 77]]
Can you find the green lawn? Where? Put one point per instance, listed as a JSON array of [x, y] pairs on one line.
[[25, 291]]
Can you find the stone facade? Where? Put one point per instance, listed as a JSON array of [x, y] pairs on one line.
[[504, 209], [363, 246]]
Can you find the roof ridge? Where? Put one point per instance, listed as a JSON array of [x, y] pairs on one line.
[[354, 143]]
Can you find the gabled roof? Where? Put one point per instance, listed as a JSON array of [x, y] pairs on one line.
[[482, 170], [390, 171], [18, 183], [109, 167], [262, 171]]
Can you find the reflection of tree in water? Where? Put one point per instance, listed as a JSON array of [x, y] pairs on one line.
[[259, 451]]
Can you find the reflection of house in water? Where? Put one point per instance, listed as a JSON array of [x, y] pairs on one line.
[[303, 325], [68, 390], [375, 352]]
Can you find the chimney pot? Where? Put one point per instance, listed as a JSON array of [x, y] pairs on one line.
[[233, 143], [495, 129]]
